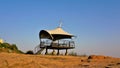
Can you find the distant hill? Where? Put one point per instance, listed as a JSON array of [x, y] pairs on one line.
[[9, 48]]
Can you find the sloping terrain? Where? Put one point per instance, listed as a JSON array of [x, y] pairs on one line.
[[9, 48], [14, 60]]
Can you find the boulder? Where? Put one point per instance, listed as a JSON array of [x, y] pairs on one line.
[[96, 57]]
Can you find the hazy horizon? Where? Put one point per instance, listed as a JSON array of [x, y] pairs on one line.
[[96, 23]]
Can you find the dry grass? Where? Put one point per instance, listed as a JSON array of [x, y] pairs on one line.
[[13, 60]]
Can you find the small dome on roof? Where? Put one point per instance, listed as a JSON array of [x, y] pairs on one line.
[[1, 41]]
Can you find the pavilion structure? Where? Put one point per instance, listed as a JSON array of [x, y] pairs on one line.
[[56, 39]]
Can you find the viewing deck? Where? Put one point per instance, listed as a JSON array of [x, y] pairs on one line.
[[62, 44]]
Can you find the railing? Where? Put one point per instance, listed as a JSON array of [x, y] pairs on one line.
[[59, 43], [44, 43]]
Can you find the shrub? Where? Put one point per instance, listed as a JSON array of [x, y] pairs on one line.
[[29, 52], [5, 45], [14, 47]]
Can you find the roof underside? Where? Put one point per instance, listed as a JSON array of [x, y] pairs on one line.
[[55, 34]]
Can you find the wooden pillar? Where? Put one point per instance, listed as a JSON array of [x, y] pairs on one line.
[[46, 51], [69, 43], [66, 53], [58, 52]]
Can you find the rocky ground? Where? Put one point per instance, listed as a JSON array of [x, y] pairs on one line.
[[13, 60]]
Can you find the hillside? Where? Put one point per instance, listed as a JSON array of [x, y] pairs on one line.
[[14, 60], [9, 48]]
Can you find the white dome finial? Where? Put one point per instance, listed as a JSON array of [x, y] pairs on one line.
[[60, 24]]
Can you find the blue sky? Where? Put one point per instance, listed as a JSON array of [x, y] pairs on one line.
[[96, 23]]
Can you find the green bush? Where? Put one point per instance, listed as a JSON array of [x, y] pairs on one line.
[[14, 47], [29, 52], [5, 45]]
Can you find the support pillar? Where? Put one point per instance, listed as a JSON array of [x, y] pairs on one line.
[[58, 52], [66, 53], [46, 51]]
